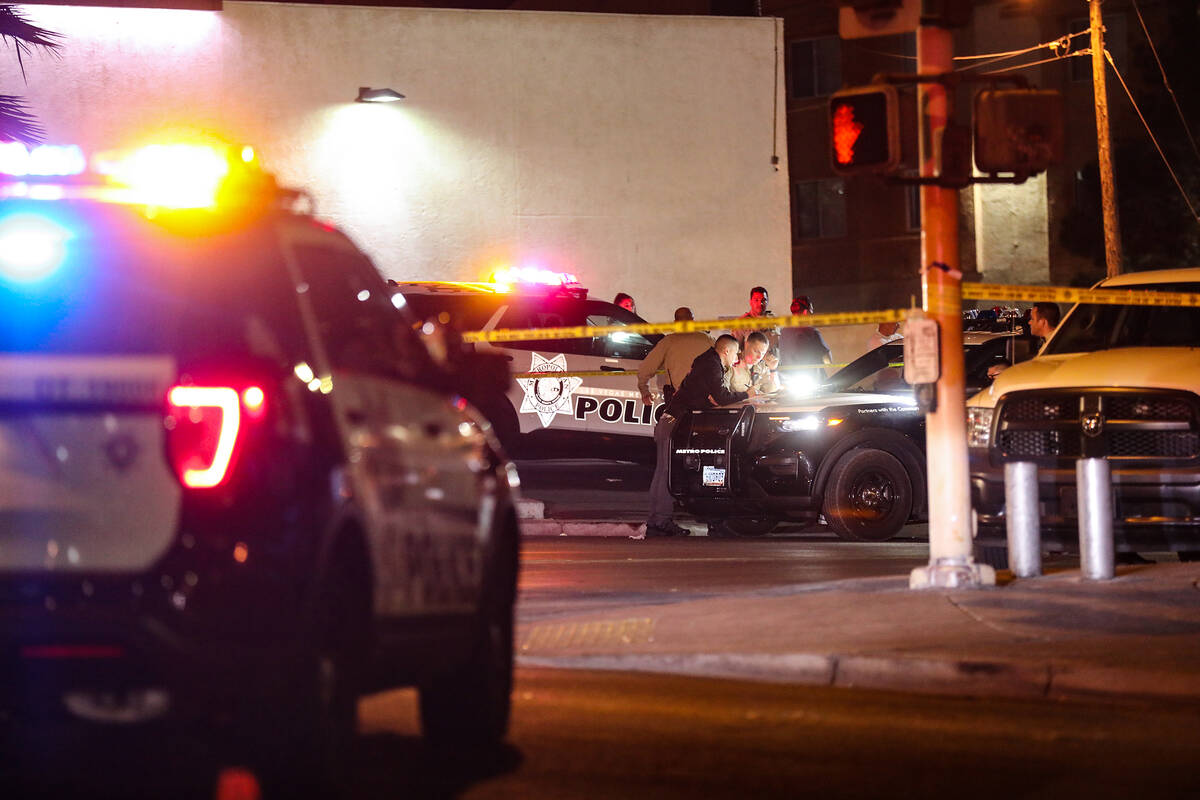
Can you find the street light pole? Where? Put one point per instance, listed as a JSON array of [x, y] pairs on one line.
[[1108, 190]]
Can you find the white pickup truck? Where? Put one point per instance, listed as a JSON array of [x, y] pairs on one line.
[[1119, 382]]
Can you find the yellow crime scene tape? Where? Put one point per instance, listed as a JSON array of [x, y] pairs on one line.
[[591, 373], [970, 291], [1066, 294], [688, 326], [626, 373]]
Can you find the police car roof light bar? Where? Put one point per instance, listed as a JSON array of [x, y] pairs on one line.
[[176, 176]]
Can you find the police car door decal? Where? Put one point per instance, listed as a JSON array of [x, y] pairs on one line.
[[548, 397]]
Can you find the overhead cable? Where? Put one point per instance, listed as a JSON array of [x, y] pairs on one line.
[[1015, 67], [1061, 43], [1154, 139], [1060, 47]]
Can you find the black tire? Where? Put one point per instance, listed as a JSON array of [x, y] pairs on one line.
[[1189, 555], [470, 705], [868, 496], [994, 555], [316, 726], [751, 526]]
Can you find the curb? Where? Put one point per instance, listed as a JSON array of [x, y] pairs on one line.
[[530, 509], [534, 526], [554, 527], [948, 676]]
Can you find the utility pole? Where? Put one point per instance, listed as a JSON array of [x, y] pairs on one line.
[[1108, 190], [951, 541]]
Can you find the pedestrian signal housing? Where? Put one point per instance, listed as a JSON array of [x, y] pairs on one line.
[[864, 129], [1018, 130]]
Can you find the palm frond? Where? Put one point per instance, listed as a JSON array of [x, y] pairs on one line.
[[24, 36], [17, 124]]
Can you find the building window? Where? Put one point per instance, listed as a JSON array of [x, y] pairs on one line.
[[912, 203], [819, 209], [816, 67], [1115, 40]]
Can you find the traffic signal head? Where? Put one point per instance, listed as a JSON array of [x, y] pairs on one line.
[[864, 129], [1018, 130]]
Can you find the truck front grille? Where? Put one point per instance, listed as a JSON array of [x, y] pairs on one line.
[[1053, 427]]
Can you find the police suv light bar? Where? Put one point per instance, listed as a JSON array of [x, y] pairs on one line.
[[177, 176]]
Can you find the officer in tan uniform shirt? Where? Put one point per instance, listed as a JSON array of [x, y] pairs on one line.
[[675, 352]]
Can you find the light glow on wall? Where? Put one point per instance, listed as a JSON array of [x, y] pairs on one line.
[[145, 26], [374, 153]]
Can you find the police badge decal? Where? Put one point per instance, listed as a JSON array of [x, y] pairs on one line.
[[547, 397]]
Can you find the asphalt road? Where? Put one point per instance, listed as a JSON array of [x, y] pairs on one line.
[[610, 735], [584, 734], [574, 574]]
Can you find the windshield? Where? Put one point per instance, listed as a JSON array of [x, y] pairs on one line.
[[1090, 327], [880, 370]]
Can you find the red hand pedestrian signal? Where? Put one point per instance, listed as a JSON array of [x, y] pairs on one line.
[[846, 131], [864, 130]]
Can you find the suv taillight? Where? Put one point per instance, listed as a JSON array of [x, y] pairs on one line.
[[203, 423]]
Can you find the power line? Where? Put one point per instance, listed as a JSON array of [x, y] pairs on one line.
[[1060, 47], [1163, 155], [1166, 83], [1061, 43], [1016, 67]]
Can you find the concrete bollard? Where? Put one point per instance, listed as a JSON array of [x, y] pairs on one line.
[[1093, 481], [1023, 519]]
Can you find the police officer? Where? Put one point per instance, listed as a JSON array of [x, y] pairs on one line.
[[675, 352], [704, 387]]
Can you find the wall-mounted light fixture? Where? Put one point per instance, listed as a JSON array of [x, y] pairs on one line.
[[369, 95]]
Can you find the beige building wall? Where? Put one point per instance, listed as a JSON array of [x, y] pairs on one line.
[[1012, 232], [1011, 222], [634, 151]]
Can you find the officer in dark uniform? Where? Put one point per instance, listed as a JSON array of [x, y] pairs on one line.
[[704, 387]]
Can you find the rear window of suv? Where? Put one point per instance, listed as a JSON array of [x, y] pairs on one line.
[[1092, 326], [126, 286], [471, 312]]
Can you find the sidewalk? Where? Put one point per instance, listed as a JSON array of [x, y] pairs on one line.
[[1054, 636]]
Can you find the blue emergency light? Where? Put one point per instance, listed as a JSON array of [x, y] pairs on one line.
[[32, 247]]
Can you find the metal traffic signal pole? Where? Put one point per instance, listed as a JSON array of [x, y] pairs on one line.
[[1108, 189], [950, 535]]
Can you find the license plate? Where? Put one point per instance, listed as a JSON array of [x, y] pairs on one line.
[[713, 476]]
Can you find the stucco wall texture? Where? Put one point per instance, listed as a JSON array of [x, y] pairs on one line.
[[634, 151]]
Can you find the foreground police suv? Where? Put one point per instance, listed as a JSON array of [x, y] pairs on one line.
[[231, 485]]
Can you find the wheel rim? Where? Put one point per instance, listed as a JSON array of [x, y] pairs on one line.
[[872, 495]]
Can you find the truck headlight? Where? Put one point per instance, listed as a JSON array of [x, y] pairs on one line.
[[979, 426]]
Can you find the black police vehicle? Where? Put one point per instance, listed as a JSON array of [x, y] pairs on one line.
[[232, 488], [852, 450]]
